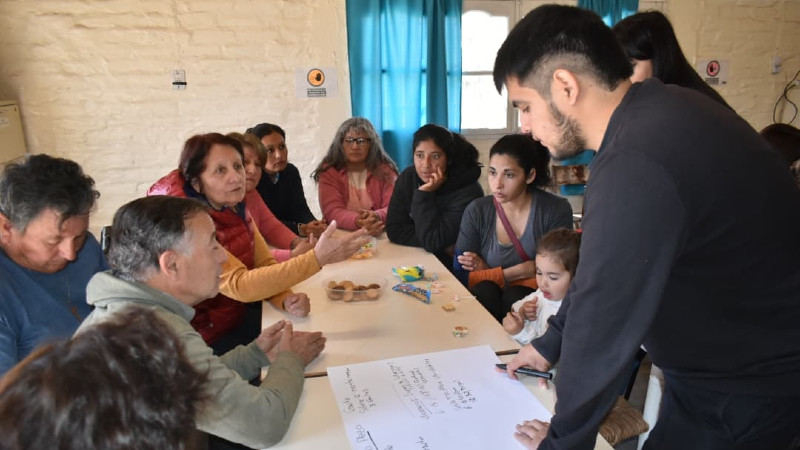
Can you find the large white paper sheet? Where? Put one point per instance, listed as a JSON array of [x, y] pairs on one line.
[[446, 400]]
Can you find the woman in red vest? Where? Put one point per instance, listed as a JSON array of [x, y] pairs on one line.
[[211, 170]]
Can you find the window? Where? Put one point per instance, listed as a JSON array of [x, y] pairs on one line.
[[484, 27]]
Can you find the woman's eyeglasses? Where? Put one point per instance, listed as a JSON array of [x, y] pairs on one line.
[[359, 141]]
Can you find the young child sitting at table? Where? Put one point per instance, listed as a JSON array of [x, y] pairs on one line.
[[556, 260]]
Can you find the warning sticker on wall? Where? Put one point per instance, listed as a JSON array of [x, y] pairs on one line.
[[316, 82], [713, 71]]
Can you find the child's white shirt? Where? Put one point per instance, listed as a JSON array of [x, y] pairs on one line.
[[532, 329]]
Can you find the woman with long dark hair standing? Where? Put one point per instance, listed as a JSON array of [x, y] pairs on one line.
[[650, 43]]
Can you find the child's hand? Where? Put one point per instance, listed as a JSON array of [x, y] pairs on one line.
[[530, 309], [512, 322]]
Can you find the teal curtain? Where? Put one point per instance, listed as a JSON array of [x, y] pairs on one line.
[[612, 11], [405, 67]]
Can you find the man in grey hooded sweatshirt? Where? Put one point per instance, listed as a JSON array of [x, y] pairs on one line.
[[165, 257]]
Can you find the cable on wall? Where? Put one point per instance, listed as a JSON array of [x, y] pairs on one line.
[[789, 86]]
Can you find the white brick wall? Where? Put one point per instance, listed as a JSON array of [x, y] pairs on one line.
[[748, 33], [93, 77], [93, 80]]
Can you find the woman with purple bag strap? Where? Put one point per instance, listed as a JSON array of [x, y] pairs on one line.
[[497, 239]]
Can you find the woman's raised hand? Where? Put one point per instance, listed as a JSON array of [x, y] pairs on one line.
[[330, 249]]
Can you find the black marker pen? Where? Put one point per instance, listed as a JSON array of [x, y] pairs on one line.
[[528, 371]]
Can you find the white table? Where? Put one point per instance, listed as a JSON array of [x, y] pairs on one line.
[[318, 424], [395, 324]]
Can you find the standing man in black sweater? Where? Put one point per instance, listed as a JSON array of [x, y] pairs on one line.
[[690, 246]]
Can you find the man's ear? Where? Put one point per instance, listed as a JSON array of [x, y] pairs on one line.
[[169, 264], [6, 227], [565, 87]]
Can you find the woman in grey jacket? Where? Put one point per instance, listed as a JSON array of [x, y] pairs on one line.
[[497, 270]]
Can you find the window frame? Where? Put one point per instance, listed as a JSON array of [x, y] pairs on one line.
[[510, 9]]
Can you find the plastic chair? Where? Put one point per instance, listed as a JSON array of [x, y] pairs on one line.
[[652, 402]]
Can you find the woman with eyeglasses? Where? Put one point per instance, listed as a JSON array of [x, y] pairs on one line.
[[356, 178]]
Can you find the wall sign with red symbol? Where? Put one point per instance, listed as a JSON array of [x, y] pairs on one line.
[[713, 71], [712, 68]]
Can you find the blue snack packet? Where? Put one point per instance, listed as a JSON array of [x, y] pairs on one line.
[[423, 295]]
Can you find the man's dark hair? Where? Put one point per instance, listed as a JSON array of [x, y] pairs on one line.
[[528, 153], [121, 384], [555, 37], [43, 182], [460, 152], [265, 129], [196, 149], [144, 229]]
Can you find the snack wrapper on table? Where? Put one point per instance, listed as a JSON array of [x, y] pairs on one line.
[[409, 273], [423, 295], [367, 250]]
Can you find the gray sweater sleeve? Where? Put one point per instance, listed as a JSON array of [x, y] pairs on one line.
[[256, 416], [553, 211]]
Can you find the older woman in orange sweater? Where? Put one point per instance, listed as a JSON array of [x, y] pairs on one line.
[[211, 170]]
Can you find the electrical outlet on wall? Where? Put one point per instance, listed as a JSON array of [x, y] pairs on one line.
[[777, 62], [178, 80]]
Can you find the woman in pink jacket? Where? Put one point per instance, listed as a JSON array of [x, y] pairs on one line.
[[285, 244], [356, 178]]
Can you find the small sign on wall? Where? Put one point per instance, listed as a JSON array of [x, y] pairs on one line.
[[316, 82], [715, 72]]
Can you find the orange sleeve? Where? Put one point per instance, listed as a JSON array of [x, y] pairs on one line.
[[267, 280], [530, 282], [494, 274]]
